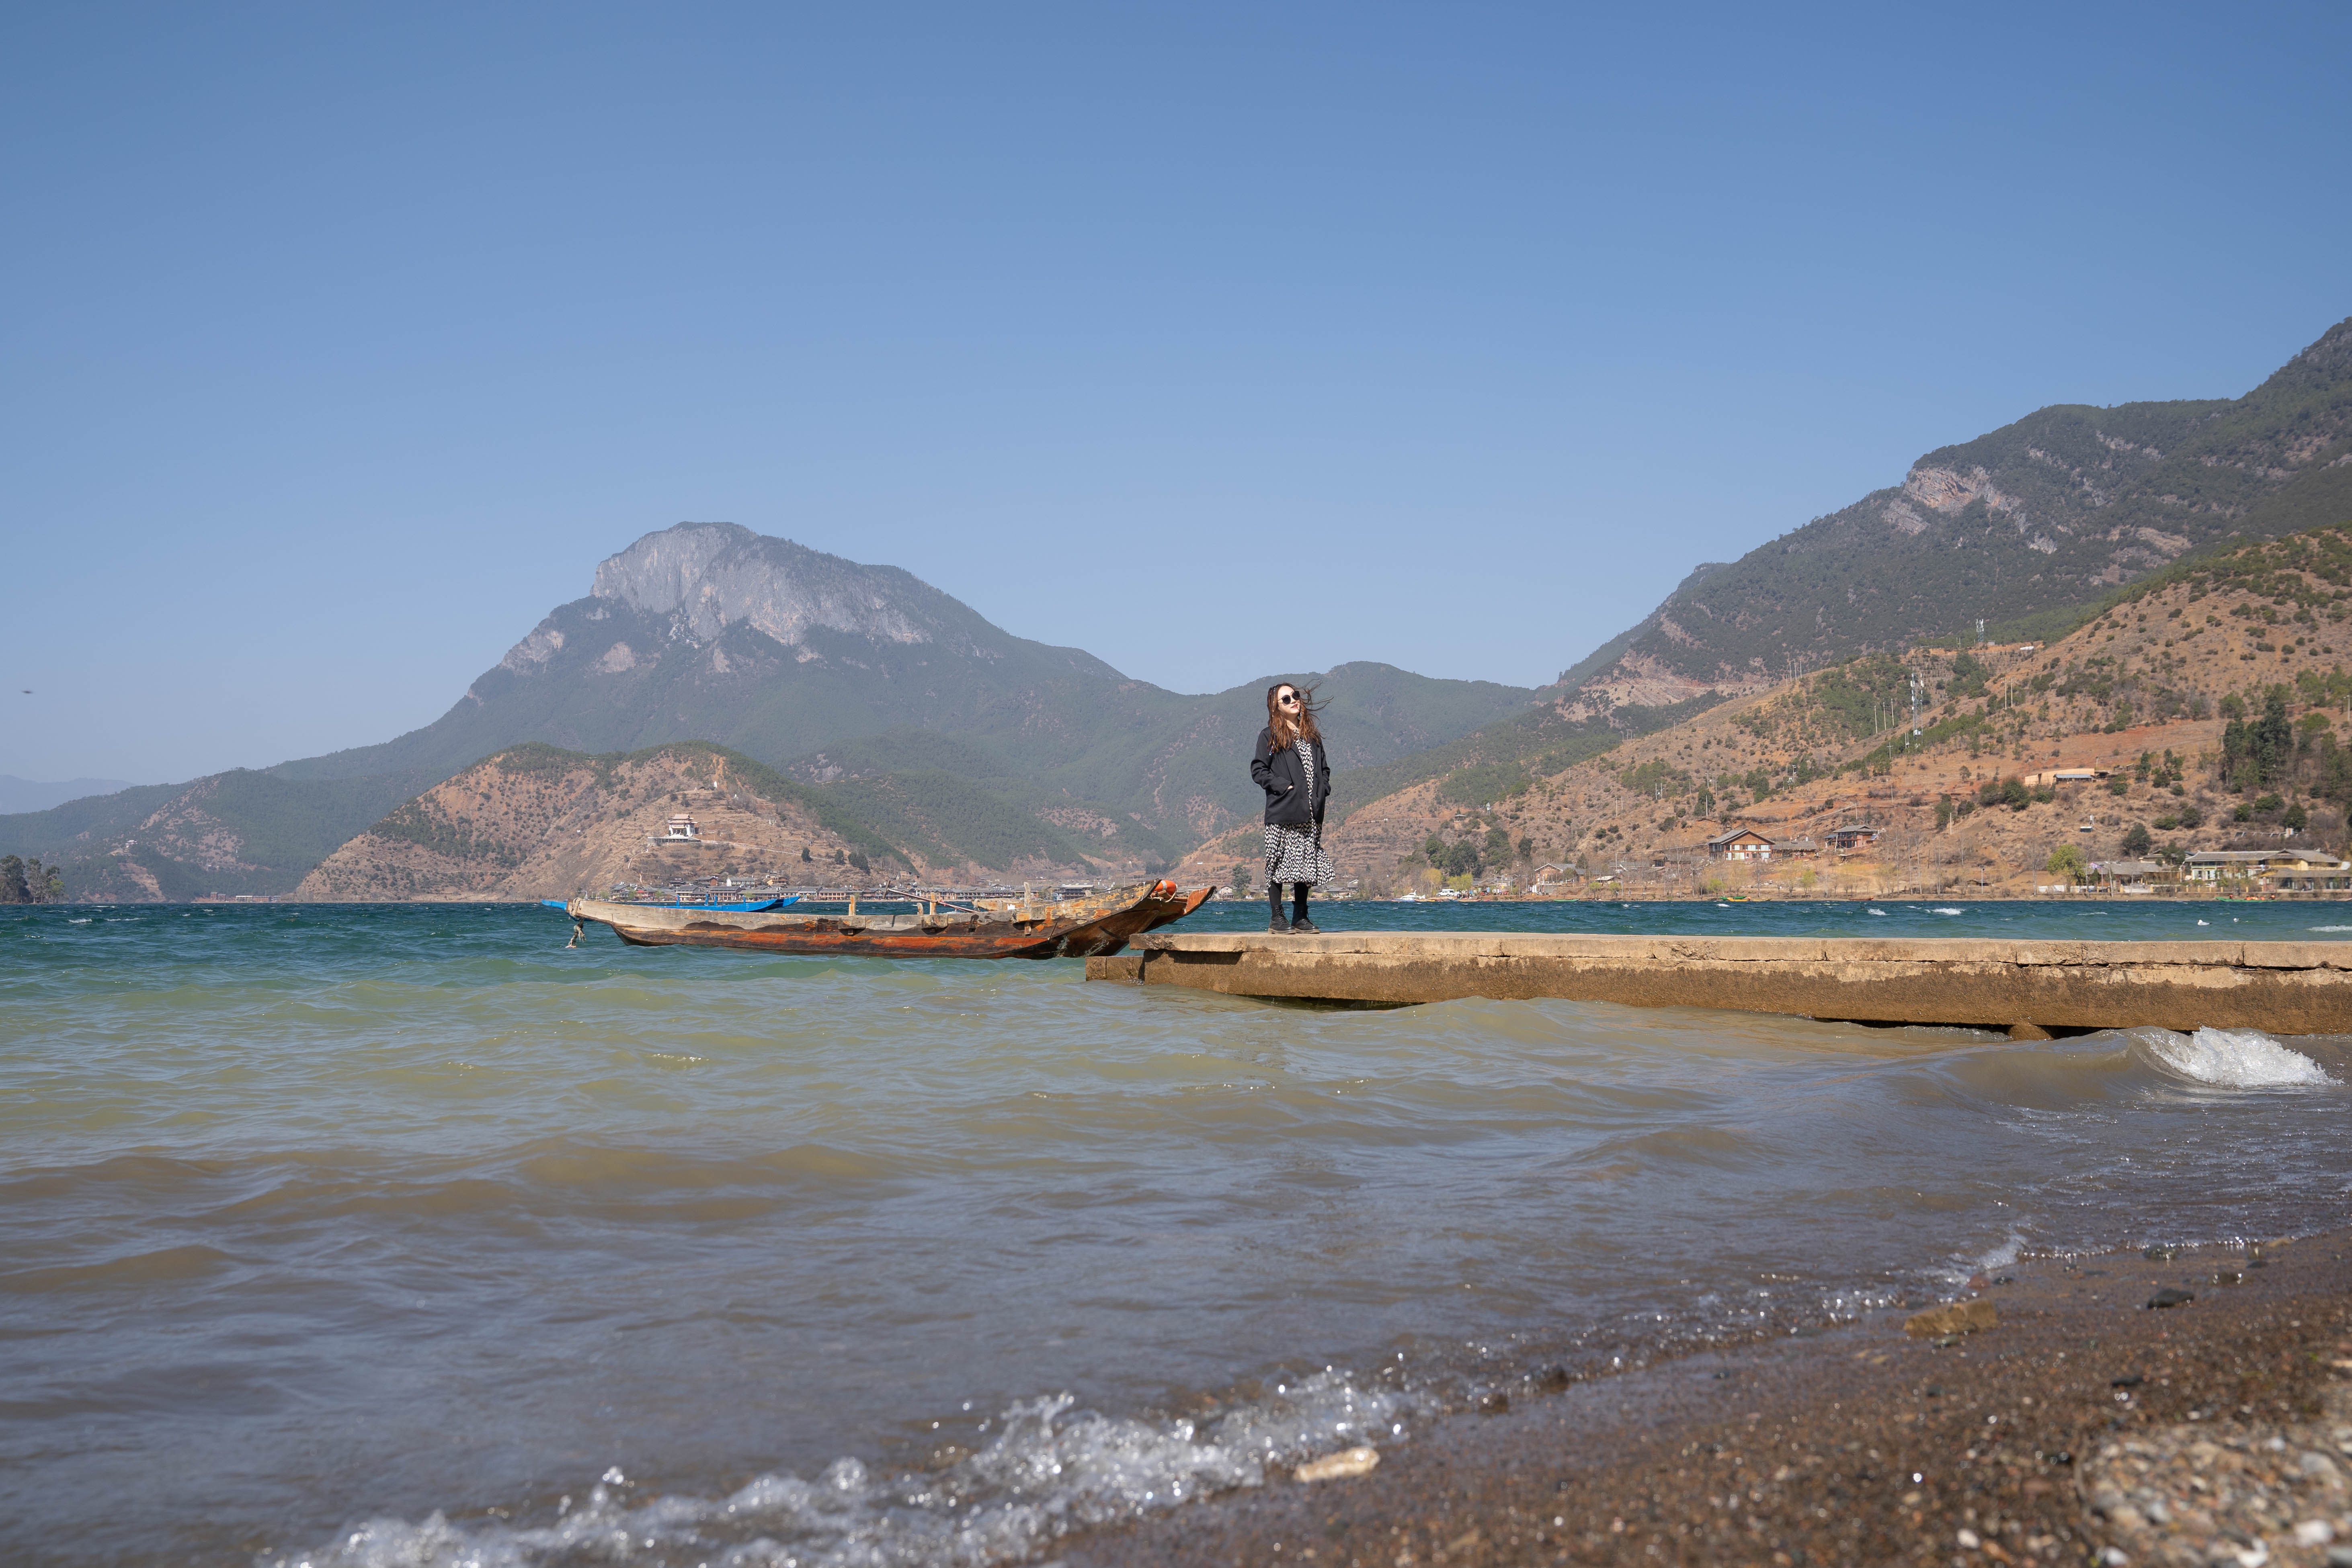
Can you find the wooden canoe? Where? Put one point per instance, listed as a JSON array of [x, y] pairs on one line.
[[1010, 927]]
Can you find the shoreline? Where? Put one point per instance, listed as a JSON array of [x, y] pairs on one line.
[[1804, 1449]]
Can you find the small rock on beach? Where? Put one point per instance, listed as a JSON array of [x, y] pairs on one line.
[[1342, 1466], [1952, 1318]]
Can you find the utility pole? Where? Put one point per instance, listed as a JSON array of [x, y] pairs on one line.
[[1918, 689]]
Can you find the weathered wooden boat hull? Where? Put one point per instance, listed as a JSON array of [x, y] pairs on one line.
[[1090, 928]]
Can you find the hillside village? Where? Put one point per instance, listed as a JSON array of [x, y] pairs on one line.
[[2149, 705]]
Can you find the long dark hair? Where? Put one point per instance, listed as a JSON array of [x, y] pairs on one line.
[[1286, 729]]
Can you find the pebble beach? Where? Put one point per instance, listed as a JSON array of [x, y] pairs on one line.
[[2083, 1425]]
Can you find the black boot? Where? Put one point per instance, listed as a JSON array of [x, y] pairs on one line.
[[1275, 921], [1298, 920]]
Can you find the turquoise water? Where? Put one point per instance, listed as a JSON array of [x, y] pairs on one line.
[[406, 1235]]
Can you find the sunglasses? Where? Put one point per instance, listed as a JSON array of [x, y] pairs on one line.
[[1289, 702]]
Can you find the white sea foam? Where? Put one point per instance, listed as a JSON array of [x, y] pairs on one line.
[[1878, 911], [2231, 1059], [2004, 1255], [1947, 911], [1049, 1470], [2313, 928]]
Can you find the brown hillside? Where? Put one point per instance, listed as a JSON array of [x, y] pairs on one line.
[[2153, 678], [534, 822]]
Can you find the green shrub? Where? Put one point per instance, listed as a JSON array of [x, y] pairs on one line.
[[1483, 782]]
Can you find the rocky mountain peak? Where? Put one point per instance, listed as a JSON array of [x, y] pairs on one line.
[[712, 575]]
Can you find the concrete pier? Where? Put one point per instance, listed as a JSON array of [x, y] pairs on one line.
[[2032, 989]]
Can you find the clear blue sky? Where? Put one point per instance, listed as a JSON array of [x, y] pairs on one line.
[[341, 342]]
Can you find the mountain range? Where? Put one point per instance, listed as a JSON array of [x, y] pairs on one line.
[[898, 709], [2018, 528], [961, 746], [2032, 529]]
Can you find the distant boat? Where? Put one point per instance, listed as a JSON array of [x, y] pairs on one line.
[[980, 928]]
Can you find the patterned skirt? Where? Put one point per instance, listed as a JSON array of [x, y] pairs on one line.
[[1296, 855]]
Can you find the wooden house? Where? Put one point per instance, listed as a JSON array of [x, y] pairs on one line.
[[1739, 843]]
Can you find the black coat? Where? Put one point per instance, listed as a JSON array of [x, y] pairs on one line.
[[1281, 775]]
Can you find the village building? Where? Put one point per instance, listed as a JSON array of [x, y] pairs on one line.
[[1852, 837], [681, 826], [1795, 848], [1739, 843], [2288, 870]]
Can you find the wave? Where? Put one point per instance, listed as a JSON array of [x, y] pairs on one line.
[[1049, 1470], [2116, 1070], [1947, 912], [2313, 928], [2000, 1256], [2231, 1059]]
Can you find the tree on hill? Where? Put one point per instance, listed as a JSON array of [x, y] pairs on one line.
[[1454, 859], [2259, 753], [27, 882], [2067, 860], [2137, 841]]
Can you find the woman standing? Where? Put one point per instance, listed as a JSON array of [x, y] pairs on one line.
[[1293, 768]]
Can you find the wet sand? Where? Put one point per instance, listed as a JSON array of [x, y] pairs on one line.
[[2024, 1442]]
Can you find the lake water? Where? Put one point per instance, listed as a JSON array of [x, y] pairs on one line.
[[400, 1235]]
